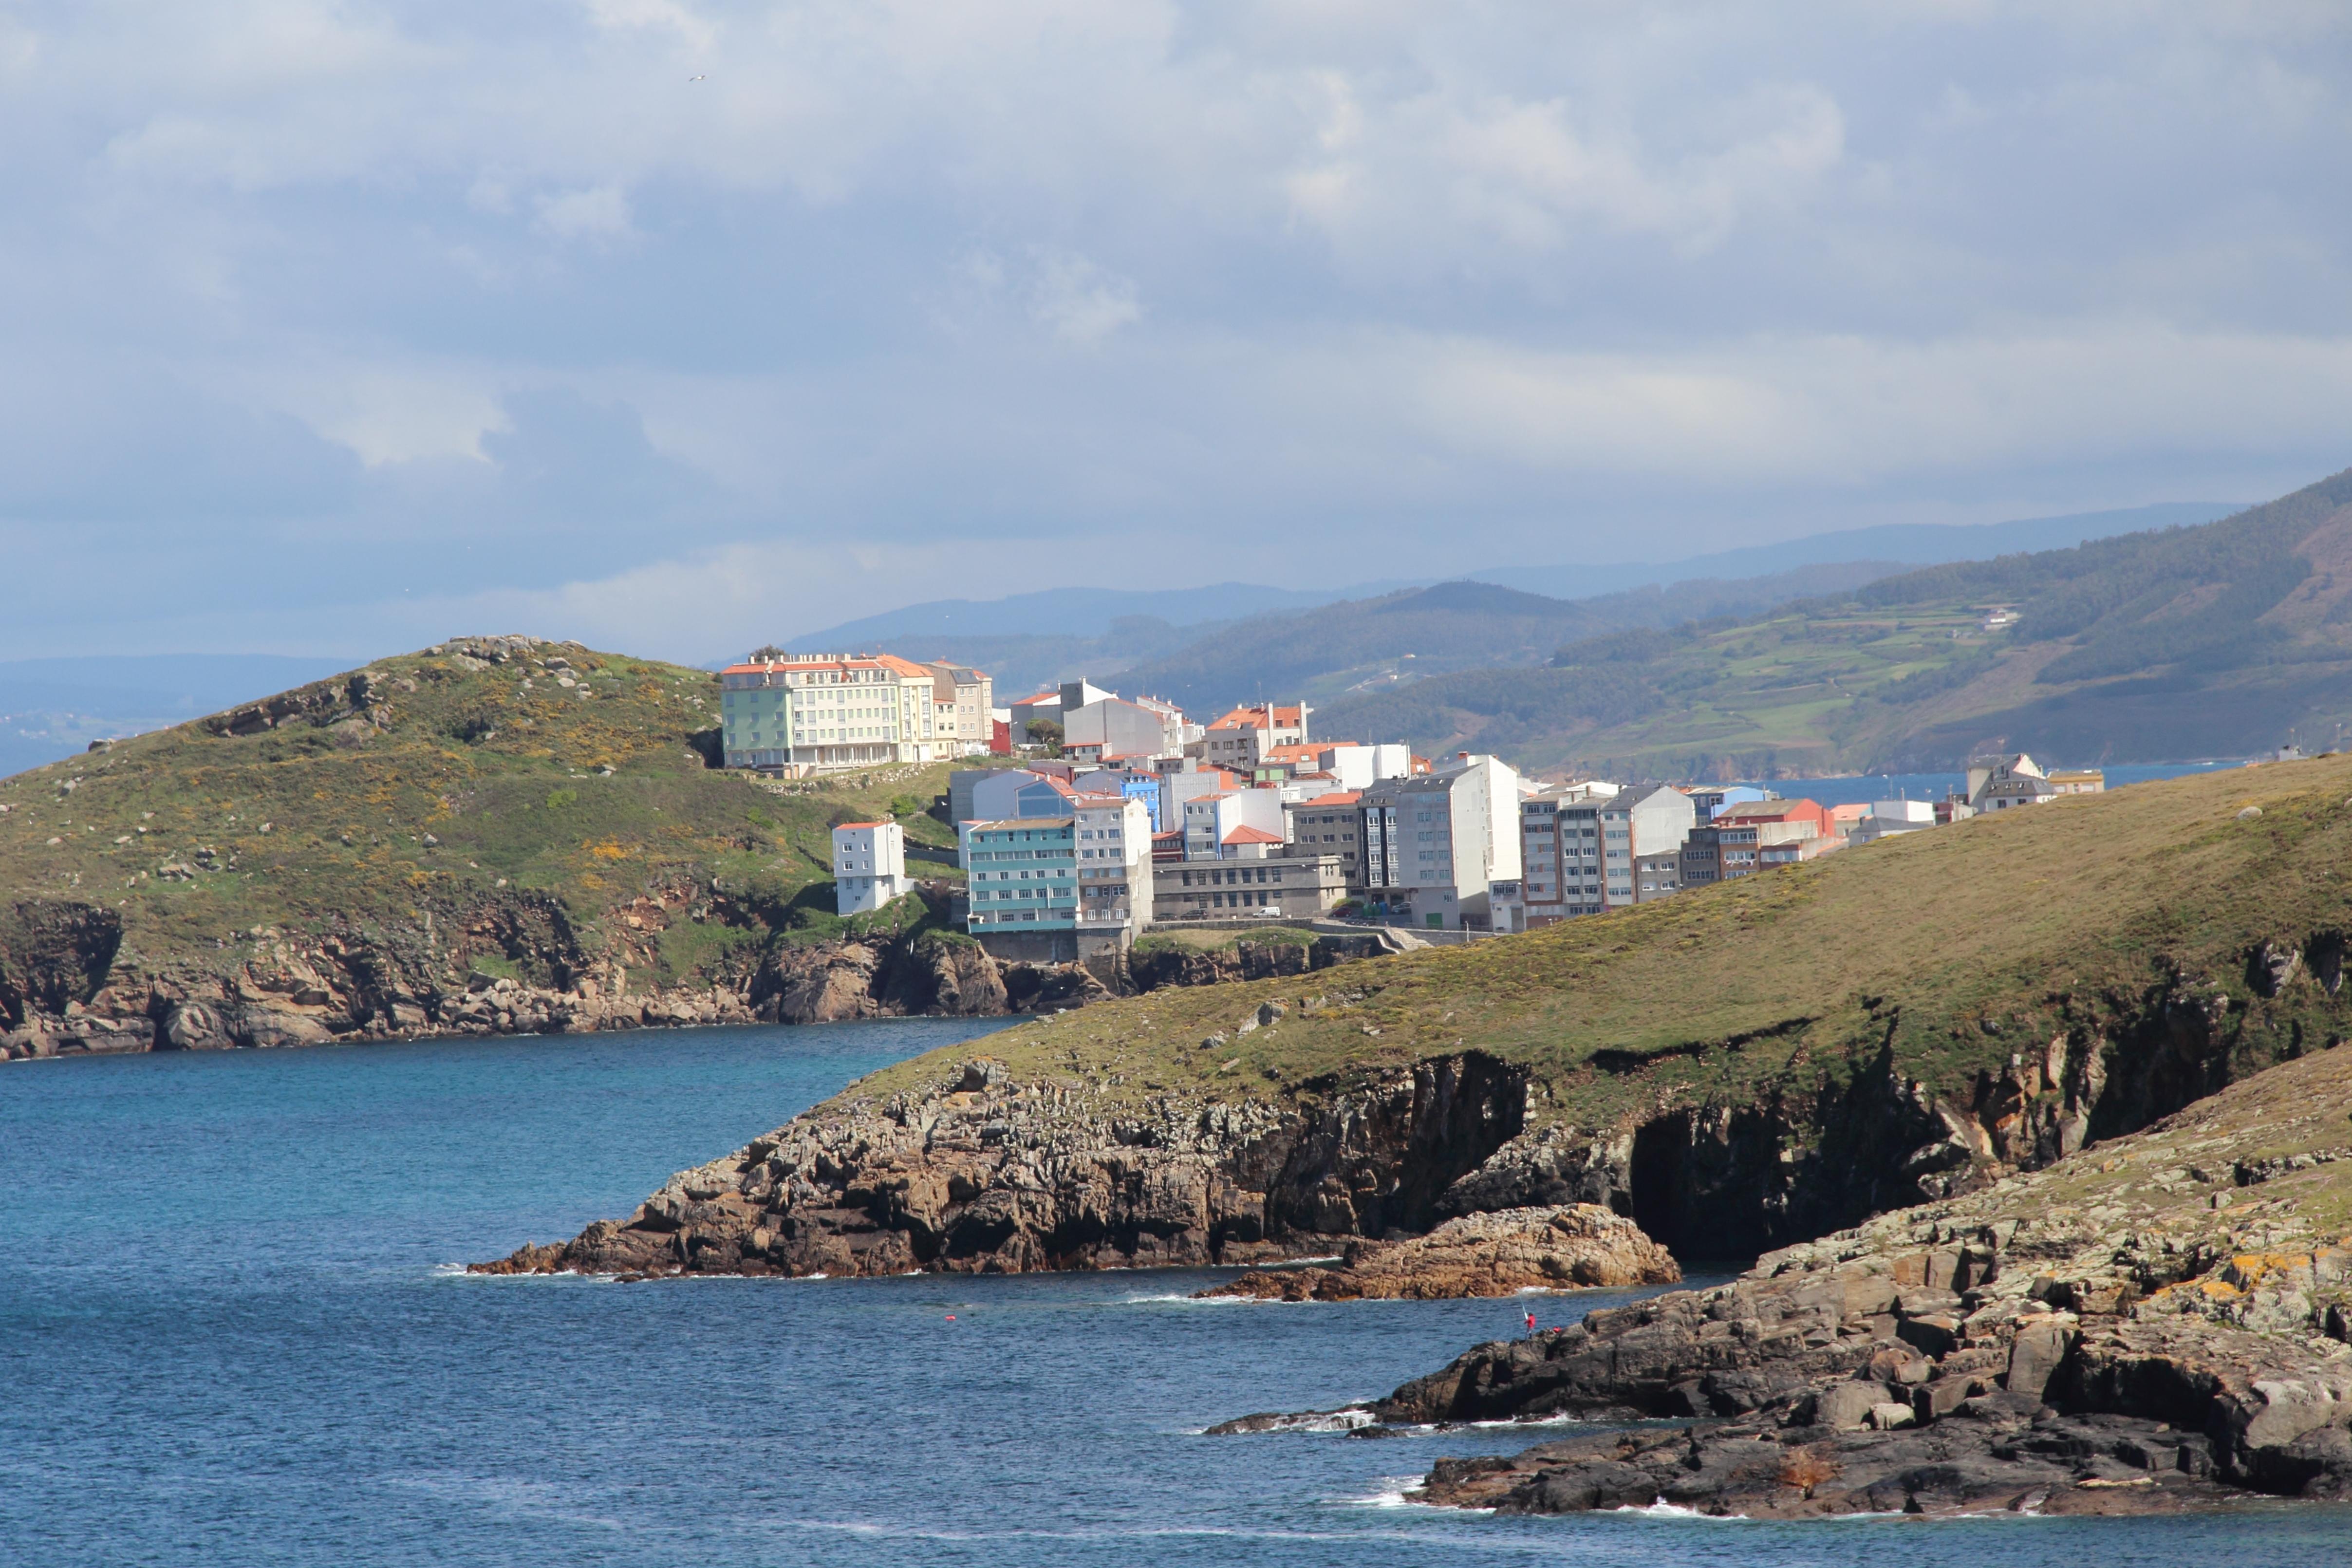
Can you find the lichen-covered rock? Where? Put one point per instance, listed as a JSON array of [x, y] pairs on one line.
[[1564, 1248], [2154, 1323]]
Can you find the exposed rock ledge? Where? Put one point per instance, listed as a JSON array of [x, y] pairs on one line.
[[2154, 1324], [980, 1173], [1562, 1248]]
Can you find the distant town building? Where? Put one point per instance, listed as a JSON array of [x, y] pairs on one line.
[[1114, 865], [1329, 824], [1024, 880], [965, 700], [1242, 736], [802, 713], [1433, 844], [1210, 821], [1113, 727], [1753, 837], [869, 866], [1292, 887], [1006, 793], [1999, 784], [1887, 818], [2078, 780]]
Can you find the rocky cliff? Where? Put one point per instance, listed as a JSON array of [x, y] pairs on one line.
[[517, 964], [2152, 1325], [979, 1172]]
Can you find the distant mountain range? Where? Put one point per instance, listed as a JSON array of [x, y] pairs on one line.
[[1178, 642], [2223, 639]]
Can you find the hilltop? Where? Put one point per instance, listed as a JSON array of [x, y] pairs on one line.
[[497, 833], [2215, 640], [1739, 1067]]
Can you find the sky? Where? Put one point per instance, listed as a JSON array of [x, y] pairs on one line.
[[678, 326]]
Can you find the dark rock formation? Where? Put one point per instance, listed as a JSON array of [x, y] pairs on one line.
[[980, 1173], [1571, 1246], [2113, 1333]]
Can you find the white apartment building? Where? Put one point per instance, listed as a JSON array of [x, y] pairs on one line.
[[1435, 845], [1209, 820], [1594, 846], [802, 713], [869, 866], [1114, 865]]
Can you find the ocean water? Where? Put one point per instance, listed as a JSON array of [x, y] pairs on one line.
[[1859, 789], [229, 1334]]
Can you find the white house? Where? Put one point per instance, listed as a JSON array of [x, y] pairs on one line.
[[869, 866]]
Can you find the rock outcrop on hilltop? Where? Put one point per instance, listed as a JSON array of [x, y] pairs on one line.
[[2155, 1323], [979, 1172], [1568, 1247]]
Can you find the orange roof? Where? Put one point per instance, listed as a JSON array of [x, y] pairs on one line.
[[764, 667], [839, 826], [1248, 835], [1337, 797], [903, 665], [1037, 697], [1259, 718]]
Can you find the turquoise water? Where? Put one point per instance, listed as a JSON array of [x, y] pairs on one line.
[[229, 1335]]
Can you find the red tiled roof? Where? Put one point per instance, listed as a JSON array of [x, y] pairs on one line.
[[1337, 797], [1248, 835], [802, 661], [838, 826]]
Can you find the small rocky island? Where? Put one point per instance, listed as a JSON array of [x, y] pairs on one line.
[[2154, 1324], [1564, 1247]]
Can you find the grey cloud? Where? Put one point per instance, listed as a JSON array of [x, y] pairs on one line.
[[346, 309]]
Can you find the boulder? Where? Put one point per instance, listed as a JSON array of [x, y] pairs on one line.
[[1562, 1248]]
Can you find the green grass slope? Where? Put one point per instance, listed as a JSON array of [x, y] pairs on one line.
[[436, 792], [2120, 947], [2215, 640]]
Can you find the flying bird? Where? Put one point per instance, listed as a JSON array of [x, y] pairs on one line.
[[703, 77]]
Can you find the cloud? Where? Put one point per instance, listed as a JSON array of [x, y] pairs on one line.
[[1081, 302], [346, 310], [600, 213]]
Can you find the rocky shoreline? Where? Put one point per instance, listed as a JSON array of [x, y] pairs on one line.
[[979, 1172], [516, 967], [2157, 1324], [1564, 1247]]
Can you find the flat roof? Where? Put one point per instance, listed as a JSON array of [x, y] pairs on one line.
[[1020, 822]]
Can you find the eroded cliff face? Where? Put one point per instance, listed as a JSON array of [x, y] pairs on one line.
[[982, 1175], [519, 965], [2151, 1324], [1005, 1172], [1806, 1154]]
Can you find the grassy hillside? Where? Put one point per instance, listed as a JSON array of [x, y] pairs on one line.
[[2131, 951], [1369, 645], [1394, 641], [443, 793], [2215, 640]]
